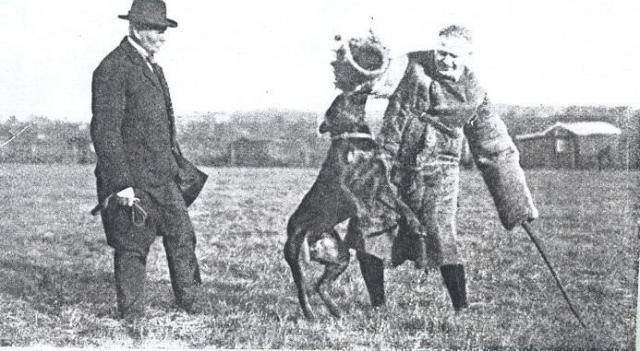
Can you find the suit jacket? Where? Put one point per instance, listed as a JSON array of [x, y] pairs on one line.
[[132, 128], [424, 124]]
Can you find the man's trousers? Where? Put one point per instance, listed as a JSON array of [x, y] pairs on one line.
[[166, 216]]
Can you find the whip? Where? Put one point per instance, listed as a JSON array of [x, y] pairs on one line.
[[538, 244]]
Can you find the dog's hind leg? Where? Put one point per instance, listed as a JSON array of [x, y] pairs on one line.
[[335, 264], [372, 269], [292, 247]]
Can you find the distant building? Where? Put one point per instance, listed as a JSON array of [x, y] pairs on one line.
[[268, 153], [579, 145]]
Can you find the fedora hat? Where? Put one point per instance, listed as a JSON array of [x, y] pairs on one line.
[[151, 12]]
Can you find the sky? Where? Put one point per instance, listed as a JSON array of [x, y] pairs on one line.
[[260, 54]]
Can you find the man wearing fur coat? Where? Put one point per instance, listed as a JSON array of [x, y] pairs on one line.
[[437, 102]]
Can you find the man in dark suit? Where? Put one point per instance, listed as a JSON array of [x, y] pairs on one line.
[[133, 132]]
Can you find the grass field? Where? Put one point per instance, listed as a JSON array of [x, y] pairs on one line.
[[57, 282]]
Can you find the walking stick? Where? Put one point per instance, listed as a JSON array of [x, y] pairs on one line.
[[14, 136], [538, 244]]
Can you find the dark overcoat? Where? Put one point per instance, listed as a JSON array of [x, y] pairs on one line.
[[133, 128], [133, 132]]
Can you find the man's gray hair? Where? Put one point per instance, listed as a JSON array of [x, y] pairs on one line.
[[455, 30]]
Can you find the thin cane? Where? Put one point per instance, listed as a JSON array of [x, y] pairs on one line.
[[538, 245], [13, 137]]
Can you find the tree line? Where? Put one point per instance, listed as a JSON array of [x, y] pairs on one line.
[[274, 137]]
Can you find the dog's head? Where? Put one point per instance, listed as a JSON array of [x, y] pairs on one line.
[[359, 62], [346, 115]]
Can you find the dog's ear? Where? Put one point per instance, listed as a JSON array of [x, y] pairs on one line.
[[323, 127]]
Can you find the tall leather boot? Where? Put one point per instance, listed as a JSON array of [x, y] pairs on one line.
[[372, 269], [454, 280]]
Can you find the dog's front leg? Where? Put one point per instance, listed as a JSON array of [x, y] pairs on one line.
[[428, 240], [343, 182]]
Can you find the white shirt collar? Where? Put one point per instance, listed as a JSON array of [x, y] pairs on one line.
[[141, 51]]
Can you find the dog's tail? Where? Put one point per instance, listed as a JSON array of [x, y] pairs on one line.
[[306, 255]]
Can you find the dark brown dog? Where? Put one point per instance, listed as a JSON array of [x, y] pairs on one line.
[[353, 183]]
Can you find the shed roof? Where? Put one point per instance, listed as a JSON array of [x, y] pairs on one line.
[[577, 128]]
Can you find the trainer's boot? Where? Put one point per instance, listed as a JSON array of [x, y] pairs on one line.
[[372, 269], [454, 280]]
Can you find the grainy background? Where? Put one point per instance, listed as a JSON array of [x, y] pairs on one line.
[[56, 275]]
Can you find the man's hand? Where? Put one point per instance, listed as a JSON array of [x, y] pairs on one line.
[[126, 197]]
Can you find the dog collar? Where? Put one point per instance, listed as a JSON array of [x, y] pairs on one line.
[[352, 136]]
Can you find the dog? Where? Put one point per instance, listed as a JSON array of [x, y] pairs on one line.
[[353, 184]]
